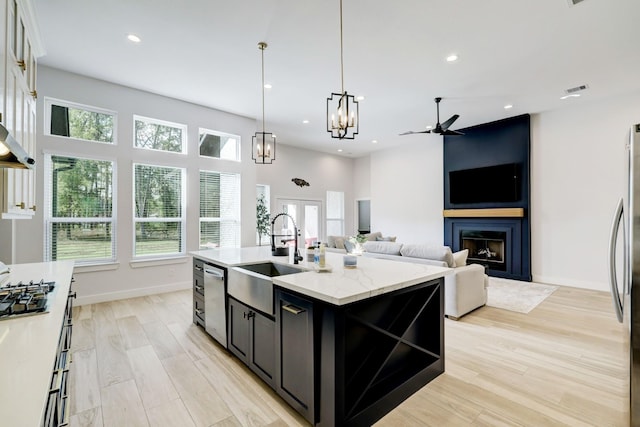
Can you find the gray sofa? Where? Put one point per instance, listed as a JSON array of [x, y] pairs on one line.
[[464, 291]]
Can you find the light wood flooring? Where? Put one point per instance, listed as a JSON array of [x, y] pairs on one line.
[[141, 362]]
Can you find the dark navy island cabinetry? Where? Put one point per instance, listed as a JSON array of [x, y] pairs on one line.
[[342, 348]]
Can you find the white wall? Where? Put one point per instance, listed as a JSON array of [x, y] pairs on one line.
[[324, 172], [578, 173], [406, 191]]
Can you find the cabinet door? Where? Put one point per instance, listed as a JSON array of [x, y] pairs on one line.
[[295, 353], [238, 330], [262, 355]]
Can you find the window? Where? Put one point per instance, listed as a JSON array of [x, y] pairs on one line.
[[335, 213], [159, 210], [79, 219], [263, 219], [219, 209], [219, 145], [152, 134], [77, 121]]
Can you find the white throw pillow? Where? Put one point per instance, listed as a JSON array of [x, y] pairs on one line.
[[339, 242], [437, 253], [460, 257], [388, 248]]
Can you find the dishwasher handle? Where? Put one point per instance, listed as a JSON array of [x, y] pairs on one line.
[[214, 273]]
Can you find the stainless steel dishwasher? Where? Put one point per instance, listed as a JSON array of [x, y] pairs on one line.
[[214, 304]]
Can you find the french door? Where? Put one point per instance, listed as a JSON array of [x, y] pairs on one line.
[[307, 215]]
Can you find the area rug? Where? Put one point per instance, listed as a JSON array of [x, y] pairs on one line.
[[513, 295]]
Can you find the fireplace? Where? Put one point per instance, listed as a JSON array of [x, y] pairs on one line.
[[485, 247], [501, 244]]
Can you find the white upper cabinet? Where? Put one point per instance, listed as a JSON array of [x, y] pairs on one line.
[[19, 48]]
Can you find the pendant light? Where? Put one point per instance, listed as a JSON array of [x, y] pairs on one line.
[[342, 108], [263, 147]]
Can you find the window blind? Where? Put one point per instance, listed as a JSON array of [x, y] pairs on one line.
[[219, 209]]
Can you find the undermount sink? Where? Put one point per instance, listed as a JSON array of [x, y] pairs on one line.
[[251, 283]]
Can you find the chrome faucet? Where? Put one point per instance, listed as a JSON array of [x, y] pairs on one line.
[[296, 233]]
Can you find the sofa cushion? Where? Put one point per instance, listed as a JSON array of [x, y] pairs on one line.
[[331, 241], [389, 248], [349, 246], [460, 257], [438, 253], [386, 239], [339, 242]]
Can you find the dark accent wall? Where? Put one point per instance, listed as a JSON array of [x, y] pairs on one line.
[[490, 144]]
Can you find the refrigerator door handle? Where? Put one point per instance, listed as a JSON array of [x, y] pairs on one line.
[[613, 240]]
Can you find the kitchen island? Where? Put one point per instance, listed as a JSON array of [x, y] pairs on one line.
[[350, 344]]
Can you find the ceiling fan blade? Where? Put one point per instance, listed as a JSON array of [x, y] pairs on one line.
[[452, 132], [411, 132], [449, 122]]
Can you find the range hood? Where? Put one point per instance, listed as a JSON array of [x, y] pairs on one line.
[[12, 155]]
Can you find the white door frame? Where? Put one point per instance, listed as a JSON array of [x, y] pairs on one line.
[[280, 200]]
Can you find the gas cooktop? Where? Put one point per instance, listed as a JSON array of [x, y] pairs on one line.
[[24, 299]]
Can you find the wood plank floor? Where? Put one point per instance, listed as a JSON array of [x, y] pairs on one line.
[[141, 362]]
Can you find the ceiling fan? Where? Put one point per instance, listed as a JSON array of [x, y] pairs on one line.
[[442, 129]]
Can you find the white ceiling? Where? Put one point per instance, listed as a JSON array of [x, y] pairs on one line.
[[520, 52]]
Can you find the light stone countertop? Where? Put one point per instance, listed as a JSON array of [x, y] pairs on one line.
[[28, 346], [339, 286]]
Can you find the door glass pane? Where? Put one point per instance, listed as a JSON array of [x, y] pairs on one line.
[[311, 221]]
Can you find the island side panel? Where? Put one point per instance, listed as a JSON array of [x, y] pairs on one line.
[[376, 353]]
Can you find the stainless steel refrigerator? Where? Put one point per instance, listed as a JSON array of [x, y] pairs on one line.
[[625, 273]]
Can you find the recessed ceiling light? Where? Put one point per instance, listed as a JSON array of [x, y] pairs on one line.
[[452, 58], [571, 95], [375, 141], [429, 127], [268, 86], [360, 98], [339, 150], [508, 107], [133, 38], [305, 121]]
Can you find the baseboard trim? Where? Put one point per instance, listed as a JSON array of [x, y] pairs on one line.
[[132, 293], [563, 281]]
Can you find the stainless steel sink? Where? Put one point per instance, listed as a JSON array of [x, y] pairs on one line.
[[251, 284]]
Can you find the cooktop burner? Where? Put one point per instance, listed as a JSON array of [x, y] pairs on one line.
[[24, 298]]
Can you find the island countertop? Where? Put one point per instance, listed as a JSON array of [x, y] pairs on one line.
[[339, 286]]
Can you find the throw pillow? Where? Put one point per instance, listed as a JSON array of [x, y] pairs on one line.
[[331, 241], [339, 242], [387, 248], [385, 239], [460, 257], [371, 237], [437, 253]]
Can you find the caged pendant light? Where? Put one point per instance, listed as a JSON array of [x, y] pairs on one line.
[[263, 146], [342, 108]]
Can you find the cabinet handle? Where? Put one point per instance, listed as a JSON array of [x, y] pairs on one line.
[[21, 205], [22, 64], [198, 268], [293, 309], [34, 93], [198, 311]]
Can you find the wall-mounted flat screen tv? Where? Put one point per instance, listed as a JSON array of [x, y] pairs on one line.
[[491, 184]]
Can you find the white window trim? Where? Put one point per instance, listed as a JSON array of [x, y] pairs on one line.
[[220, 219], [340, 219], [161, 123], [48, 102], [218, 133], [47, 217], [182, 220]]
